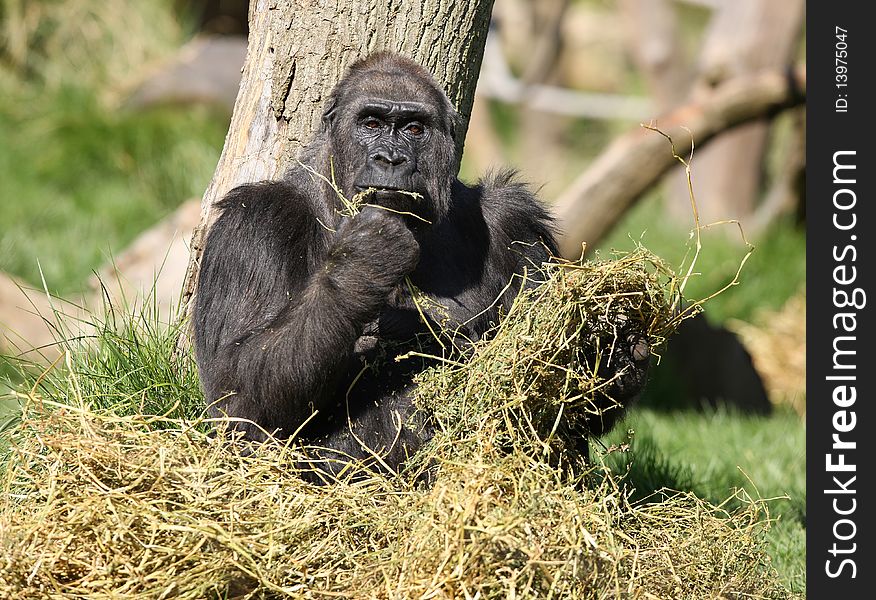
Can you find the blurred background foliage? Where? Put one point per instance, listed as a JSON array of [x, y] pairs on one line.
[[82, 176], [85, 171]]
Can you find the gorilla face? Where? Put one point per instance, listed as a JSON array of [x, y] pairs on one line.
[[393, 132], [393, 135]]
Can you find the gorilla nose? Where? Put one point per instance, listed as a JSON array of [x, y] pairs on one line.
[[389, 159]]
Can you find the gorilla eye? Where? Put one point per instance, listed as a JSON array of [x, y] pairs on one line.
[[372, 123], [415, 129]]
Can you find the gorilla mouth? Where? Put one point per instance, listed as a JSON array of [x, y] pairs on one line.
[[378, 188], [383, 191]]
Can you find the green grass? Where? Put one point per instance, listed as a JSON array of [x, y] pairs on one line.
[[127, 364], [81, 181], [92, 44]]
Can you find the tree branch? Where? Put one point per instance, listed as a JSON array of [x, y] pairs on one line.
[[597, 200]]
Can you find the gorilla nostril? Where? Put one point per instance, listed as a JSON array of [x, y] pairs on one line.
[[380, 158], [386, 159]]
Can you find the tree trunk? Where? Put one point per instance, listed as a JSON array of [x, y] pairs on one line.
[[651, 31], [299, 49]]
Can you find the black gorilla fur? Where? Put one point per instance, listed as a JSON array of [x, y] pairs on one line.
[[294, 298]]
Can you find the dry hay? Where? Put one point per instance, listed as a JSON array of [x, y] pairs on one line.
[[777, 343], [97, 505], [539, 376]]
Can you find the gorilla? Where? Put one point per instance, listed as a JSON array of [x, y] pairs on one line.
[[302, 304]]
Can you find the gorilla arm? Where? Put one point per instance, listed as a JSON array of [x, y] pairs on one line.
[[281, 301]]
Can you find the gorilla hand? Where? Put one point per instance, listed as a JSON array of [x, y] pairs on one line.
[[629, 361], [625, 367], [371, 253]]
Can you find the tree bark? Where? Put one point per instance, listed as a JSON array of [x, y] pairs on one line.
[[299, 49], [597, 200]]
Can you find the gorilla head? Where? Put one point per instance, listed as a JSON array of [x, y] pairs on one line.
[[394, 131]]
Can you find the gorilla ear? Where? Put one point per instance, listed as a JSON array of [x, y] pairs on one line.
[[455, 126], [328, 115], [454, 121]]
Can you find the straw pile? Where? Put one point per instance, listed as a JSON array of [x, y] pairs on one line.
[[777, 343], [542, 377], [98, 505]]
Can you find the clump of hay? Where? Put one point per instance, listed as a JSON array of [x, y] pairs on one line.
[[777, 343], [543, 375], [98, 505]]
